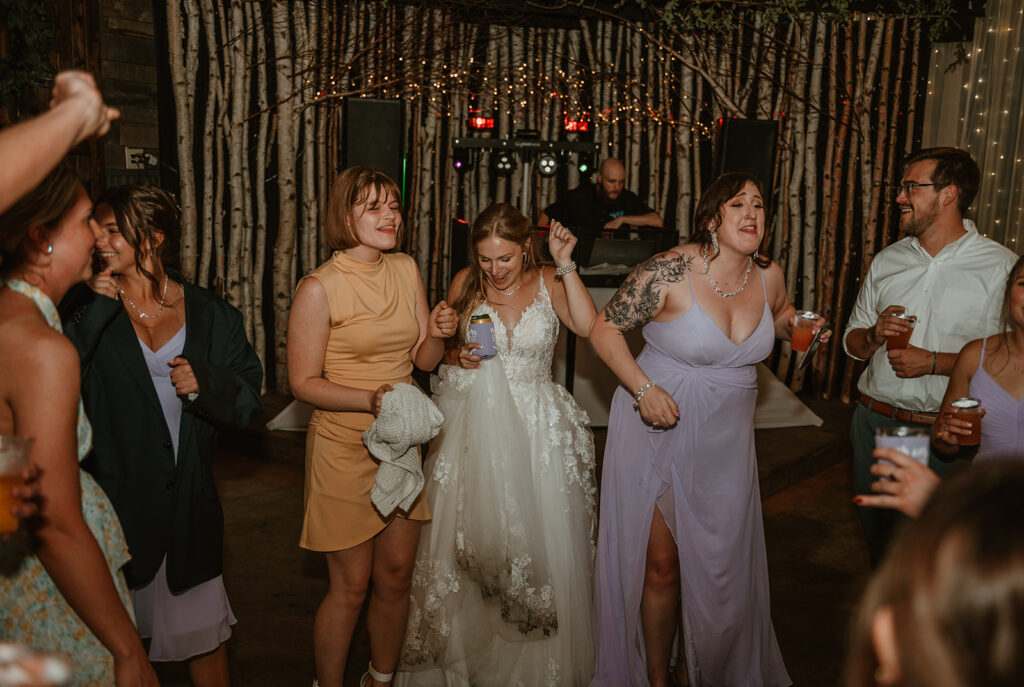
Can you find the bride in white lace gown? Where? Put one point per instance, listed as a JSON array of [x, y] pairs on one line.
[[502, 589]]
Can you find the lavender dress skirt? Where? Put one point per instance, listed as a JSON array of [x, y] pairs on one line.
[[702, 475]]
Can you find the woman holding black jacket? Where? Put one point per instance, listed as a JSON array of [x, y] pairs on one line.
[[164, 365]]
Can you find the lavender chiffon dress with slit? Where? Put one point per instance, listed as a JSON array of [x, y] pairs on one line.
[[702, 475]]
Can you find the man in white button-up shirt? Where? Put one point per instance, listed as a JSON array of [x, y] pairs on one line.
[[950, 277]]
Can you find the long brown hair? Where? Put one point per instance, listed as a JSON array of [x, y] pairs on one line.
[[44, 205], [505, 222], [954, 583], [709, 212], [142, 211]]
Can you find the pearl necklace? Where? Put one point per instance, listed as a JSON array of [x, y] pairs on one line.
[[714, 285], [142, 315]]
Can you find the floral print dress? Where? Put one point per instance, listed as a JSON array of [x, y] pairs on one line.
[[32, 609]]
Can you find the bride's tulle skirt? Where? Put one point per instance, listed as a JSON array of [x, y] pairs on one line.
[[502, 592]]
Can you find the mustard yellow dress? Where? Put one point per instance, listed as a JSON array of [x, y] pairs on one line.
[[373, 330]]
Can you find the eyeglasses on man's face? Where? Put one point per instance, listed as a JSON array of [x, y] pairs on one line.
[[908, 187]]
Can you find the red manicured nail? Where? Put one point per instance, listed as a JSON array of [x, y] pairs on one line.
[[858, 499]]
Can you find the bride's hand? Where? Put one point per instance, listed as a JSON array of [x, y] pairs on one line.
[[467, 359], [561, 242], [658, 408]]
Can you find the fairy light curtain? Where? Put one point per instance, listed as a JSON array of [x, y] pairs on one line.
[[258, 138], [978, 107]]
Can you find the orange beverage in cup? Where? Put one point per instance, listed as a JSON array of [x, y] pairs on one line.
[[968, 409], [13, 461], [901, 341], [805, 326]]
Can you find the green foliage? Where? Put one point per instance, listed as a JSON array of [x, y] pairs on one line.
[[27, 35]]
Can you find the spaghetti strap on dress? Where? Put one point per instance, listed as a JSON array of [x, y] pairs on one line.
[[1002, 428]]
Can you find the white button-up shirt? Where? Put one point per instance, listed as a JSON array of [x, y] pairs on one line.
[[957, 296]]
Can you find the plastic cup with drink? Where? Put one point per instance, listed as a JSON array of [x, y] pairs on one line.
[[969, 410], [805, 326], [914, 441], [14, 452], [900, 341]]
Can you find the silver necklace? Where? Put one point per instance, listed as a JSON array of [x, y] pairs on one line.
[[142, 315], [513, 291], [714, 285]]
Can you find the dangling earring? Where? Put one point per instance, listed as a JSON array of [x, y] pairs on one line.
[[755, 255], [714, 241], [525, 259], [49, 249]]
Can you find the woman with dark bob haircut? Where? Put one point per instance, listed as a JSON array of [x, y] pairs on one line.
[[946, 608], [680, 507], [165, 365]]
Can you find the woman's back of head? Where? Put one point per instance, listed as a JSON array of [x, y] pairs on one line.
[[948, 601]]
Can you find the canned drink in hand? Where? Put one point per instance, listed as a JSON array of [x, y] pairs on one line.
[[914, 441], [481, 330]]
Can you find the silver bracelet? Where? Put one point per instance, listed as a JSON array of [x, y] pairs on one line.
[[640, 393], [565, 269]]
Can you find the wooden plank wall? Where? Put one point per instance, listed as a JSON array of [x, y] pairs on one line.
[[128, 78]]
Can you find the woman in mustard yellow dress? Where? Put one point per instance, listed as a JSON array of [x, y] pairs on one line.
[[358, 324]]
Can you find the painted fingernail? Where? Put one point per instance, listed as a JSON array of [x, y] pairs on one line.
[[858, 499]]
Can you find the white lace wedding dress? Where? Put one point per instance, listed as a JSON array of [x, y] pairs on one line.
[[502, 589]]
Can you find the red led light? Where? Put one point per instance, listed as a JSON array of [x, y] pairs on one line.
[[478, 123], [577, 125]]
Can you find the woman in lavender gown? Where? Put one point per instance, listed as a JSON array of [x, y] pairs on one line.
[[680, 506]]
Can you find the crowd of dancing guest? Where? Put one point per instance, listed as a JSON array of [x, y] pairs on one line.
[[164, 365], [487, 576], [503, 581]]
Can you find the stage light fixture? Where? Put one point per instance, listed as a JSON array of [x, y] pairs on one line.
[[586, 163], [462, 160], [547, 165], [503, 162]]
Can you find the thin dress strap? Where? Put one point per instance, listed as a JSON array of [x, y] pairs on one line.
[[984, 342]]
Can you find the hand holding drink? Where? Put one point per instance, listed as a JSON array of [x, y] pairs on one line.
[[960, 422], [14, 469], [805, 326], [900, 339]]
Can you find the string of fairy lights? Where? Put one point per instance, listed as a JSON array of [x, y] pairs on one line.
[[513, 91]]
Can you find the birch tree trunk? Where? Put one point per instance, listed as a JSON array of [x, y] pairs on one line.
[[284, 246], [184, 30]]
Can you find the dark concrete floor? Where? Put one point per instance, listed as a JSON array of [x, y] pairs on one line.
[[817, 564]]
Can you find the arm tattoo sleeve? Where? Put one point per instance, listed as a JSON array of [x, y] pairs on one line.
[[634, 304]]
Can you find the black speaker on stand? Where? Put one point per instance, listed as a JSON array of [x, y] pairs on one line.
[[373, 134], [748, 145]]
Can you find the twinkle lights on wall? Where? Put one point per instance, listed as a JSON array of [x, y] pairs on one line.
[[977, 107], [509, 93]]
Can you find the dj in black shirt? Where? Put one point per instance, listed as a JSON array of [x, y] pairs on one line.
[[606, 204]]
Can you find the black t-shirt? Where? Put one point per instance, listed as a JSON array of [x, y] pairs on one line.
[[583, 207]]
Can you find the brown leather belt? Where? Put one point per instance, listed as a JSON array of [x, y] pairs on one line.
[[894, 413]]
